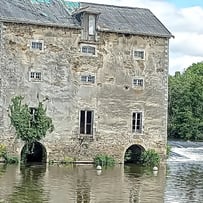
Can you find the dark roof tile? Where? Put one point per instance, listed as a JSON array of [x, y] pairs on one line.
[[111, 18]]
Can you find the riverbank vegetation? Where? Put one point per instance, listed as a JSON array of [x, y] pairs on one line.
[[185, 120], [104, 160], [6, 158], [150, 158]]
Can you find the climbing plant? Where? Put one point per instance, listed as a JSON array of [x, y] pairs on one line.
[[30, 127]]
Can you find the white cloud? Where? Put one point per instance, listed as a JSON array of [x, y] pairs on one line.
[[184, 23]]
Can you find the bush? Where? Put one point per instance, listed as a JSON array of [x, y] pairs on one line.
[[11, 159], [150, 158], [104, 160], [8, 159]]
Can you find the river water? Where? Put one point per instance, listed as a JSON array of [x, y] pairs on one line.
[[179, 181]]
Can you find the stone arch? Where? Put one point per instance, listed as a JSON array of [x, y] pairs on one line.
[[39, 154], [133, 154]]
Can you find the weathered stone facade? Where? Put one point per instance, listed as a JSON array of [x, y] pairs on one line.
[[112, 96]]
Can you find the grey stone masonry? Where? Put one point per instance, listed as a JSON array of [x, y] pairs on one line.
[[104, 94]]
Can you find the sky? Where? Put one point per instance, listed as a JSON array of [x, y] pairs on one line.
[[183, 18]]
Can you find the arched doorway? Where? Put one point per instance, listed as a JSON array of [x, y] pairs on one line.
[[133, 154], [37, 153]]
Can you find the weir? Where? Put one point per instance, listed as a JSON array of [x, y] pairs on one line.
[[186, 151]]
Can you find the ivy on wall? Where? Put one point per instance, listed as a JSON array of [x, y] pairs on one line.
[[29, 127]]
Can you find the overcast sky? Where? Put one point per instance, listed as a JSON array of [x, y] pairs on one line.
[[183, 18]]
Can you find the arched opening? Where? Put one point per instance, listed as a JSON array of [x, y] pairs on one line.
[[133, 154], [35, 154]]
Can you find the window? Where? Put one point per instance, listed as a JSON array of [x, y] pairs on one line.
[[137, 122], [88, 78], [88, 50], [139, 55], [35, 76], [92, 23], [37, 45], [86, 122], [89, 27], [138, 82], [33, 112]]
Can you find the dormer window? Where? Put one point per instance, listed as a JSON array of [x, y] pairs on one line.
[[89, 27], [92, 24]]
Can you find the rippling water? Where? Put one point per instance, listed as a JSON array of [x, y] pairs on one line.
[[181, 181]]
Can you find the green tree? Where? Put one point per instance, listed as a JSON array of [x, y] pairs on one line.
[[29, 127], [186, 104]]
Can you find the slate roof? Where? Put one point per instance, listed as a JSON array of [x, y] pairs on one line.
[[51, 12], [111, 18]]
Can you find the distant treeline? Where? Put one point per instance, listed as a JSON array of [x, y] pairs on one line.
[[185, 119]]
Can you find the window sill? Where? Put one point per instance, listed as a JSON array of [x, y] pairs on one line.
[[94, 42]]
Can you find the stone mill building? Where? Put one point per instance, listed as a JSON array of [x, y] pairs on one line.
[[101, 71]]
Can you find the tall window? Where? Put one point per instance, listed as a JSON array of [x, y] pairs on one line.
[[137, 122], [33, 112], [86, 122], [92, 24], [89, 27]]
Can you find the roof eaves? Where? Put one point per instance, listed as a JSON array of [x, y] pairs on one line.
[[137, 33], [22, 21]]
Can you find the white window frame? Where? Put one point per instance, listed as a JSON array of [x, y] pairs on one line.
[[35, 76], [137, 122], [88, 48], [36, 47], [139, 54], [138, 82], [88, 79]]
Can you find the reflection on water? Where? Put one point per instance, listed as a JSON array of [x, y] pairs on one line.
[[182, 182], [81, 184]]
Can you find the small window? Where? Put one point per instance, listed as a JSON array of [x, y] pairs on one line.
[[138, 82], [139, 55], [35, 76], [88, 78], [37, 45], [91, 50], [137, 122], [86, 122]]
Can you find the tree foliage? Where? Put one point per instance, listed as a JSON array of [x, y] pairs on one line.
[[29, 127], [186, 104]]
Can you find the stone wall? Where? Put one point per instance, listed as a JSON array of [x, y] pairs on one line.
[[112, 97]]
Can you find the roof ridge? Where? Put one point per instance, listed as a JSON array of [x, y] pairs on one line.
[[116, 6]]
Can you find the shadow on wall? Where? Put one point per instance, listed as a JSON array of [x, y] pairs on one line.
[[133, 154], [37, 154]]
